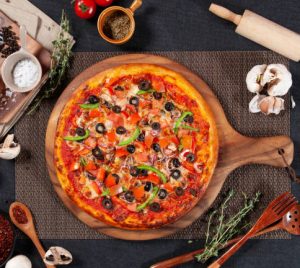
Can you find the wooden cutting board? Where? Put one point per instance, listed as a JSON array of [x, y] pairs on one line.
[[236, 149], [9, 107]]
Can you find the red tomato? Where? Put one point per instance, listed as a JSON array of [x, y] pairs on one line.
[[85, 9], [104, 3]]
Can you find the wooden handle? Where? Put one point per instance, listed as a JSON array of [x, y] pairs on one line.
[[265, 150], [191, 255], [225, 13], [135, 5], [39, 248]]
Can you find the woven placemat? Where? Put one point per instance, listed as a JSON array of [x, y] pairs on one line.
[[225, 73]]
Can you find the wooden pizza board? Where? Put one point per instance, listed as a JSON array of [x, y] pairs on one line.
[[236, 150]]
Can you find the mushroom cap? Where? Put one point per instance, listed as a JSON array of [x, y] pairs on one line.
[[278, 79], [9, 149], [271, 105], [57, 256], [253, 78], [19, 261], [254, 103]]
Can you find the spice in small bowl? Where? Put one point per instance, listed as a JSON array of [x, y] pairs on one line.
[[7, 239], [117, 25]]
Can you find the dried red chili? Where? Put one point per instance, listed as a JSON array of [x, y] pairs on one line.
[[20, 215], [6, 238]]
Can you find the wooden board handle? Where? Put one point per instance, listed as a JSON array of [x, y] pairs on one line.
[[265, 151], [242, 150], [225, 13]]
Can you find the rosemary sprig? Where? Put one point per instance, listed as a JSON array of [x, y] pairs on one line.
[[226, 229], [60, 62]]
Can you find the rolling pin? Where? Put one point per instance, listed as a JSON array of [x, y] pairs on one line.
[[262, 31]]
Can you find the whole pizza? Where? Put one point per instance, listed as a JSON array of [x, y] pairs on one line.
[[136, 146]]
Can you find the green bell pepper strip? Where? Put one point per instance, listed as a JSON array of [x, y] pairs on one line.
[[89, 105], [78, 138], [141, 92], [179, 121], [131, 139], [189, 128], [149, 200], [156, 171]]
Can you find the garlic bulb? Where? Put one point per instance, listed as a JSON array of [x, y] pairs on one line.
[[9, 149], [253, 78], [57, 256], [278, 79], [19, 261], [271, 105]]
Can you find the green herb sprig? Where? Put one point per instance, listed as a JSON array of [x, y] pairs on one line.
[[226, 229], [60, 62]]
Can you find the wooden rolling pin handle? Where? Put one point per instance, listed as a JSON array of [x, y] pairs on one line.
[[225, 13]]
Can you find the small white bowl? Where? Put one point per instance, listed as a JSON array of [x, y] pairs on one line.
[[12, 60]]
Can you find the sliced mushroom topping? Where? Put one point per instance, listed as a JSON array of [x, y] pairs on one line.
[[57, 256]]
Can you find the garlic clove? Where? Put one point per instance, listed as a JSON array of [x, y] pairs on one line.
[[19, 261], [271, 105], [278, 79], [253, 105], [9, 149], [254, 77], [57, 256]]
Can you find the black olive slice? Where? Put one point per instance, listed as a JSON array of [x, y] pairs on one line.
[[93, 99], [169, 106], [129, 196], [144, 85], [162, 194], [130, 148], [100, 128], [175, 173], [179, 191], [80, 131], [155, 207], [107, 203], [134, 171]]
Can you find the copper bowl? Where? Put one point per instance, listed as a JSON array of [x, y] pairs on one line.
[[128, 11]]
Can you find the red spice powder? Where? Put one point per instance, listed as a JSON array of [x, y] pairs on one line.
[[20, 215], [6, 238]]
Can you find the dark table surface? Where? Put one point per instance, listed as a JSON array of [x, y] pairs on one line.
[[173, 25]]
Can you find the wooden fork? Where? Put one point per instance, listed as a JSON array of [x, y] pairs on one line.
[[274, 212]]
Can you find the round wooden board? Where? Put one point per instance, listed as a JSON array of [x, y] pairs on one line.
[[237, 150]]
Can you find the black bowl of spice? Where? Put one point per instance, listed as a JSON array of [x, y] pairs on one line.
[[7, 238]]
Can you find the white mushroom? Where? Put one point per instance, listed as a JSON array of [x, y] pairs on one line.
[[9, 149], [278, 79], [254, 103], [254, 77], [19, 261], [57, 256], [271, 105]]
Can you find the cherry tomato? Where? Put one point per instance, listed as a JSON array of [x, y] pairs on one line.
[[85, 9], [104, 3]]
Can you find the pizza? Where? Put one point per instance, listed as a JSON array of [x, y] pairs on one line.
[[136, 146]]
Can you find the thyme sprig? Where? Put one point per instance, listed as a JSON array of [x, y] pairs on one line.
[[60, 62], [217, 237]]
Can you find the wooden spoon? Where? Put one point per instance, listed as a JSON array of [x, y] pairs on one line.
[[290, 222], [28, 228]]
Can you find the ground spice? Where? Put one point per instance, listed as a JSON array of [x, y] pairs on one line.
[[6, 238], [20, 215], [8, 42], [117, 25]]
